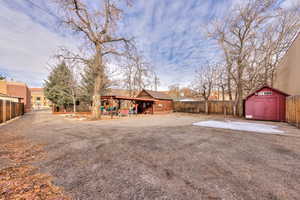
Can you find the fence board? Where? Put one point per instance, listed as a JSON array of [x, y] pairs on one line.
[[1, 111], [214, 107], [10, 110], [293, 110], [8, 116]]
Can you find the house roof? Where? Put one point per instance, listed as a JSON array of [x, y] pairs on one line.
[[266, 86], [158, 95], [126, 98]]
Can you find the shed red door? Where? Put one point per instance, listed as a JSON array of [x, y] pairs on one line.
[[266, 109]]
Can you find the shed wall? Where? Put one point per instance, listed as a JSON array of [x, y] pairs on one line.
[[163, 106]]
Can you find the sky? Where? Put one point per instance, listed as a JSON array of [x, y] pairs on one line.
[[169, 33]]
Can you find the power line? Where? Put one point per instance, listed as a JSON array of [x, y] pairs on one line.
[[42, 9]]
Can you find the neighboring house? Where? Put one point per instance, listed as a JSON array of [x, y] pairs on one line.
[[38, 99], [287, 76], [17, 89], [163, 102]]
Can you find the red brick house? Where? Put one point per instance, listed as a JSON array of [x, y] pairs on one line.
[[17, 89], [163, 103]]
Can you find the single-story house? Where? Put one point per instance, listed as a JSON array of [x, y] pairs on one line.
[[162, 103]]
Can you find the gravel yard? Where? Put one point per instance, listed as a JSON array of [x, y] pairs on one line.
[[161, 157]]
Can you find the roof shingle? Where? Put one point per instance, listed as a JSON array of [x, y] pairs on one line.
[[158, 95]]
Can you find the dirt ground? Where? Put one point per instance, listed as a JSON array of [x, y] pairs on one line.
[[160, 157]]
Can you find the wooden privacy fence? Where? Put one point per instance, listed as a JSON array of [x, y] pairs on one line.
[[293, 110], [214, 107], [10, 110]]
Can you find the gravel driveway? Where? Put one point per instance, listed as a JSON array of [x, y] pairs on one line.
[[162, 157]]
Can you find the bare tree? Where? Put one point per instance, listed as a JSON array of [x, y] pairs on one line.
[[98, 27], [253, 40], [237, 38], [277, 37], [156, 81], [138, 74], [221, 81], [174, 91], [205, 82]]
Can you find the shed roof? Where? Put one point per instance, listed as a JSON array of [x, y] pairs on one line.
[[158, 95], [266, 86]]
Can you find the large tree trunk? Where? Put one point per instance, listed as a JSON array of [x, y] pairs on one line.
[[74, 104], [98, 69], [229, 85], [223, 93], [206, 107], [239, 101], [96, 111]]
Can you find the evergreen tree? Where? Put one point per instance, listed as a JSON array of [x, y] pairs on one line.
[[88, 77], [2, 77], [57, 87]]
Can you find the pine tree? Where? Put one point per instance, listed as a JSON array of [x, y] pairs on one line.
[[88, 78], [57, 87], [2, 77]]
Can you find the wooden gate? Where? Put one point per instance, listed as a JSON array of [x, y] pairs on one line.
[[293, 110]]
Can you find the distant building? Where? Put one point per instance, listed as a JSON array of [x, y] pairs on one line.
[[38, 99], [287, 76], [17, 89], [188, 99]]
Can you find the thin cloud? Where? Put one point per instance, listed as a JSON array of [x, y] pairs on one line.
[[169, 34], [26, 46]]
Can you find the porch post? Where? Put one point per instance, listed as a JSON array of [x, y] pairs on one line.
[[153, 108]]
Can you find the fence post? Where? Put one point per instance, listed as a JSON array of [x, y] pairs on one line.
[[10, 110], [296, 110], [4, 111]]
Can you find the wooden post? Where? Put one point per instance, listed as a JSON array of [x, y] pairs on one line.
[[296, 110], [4, 110], [10, 110], [153, 108]]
